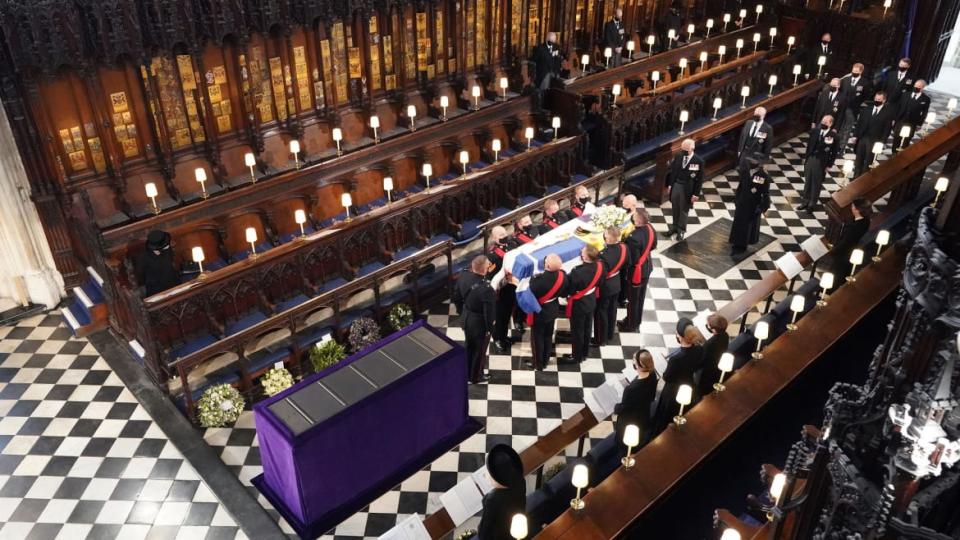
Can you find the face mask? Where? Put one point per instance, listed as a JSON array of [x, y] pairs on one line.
[[758, 118], [824, 127], [583, 200], [877, 102], [834, 88], [917, 90], [903, 68], [526, 229], [825, 42], [855, 74], [689, 152]]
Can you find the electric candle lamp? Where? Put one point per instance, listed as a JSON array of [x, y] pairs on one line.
[[495, 146], [717, 103], [504, 84], [518, 527], [725, 365], [337, 137], [848, 169], [630, 47], [886, 6], [942, 183], [904, 135], [650, 41], [250, 160], [616, 92], [151, 190], [797, 304], [856, 259], [555, 124], [444, 103], [730, 534], [726, 21], [704, 56], [464, 160], [690, 30], [201, 175], [759, 11], [607, 54], [300, 217], [388, 186], [631, 438], [744, 93], [251, 235], [761, 331], [295, 150], [739, 46], [656, 78], [528, 134], [684, 116], [826, 283], [585, 63], [427, 173], [671, 35], [684, 397], [722, 51], [772, 82], [756, 41], [877, 150], [929, 120], [580, 480], [743, 15], [951, 104], [375, 124], [773, 35], [199, 257], [346, 201], [882, 239], [412, 115], [821, 61], [709, 26], [776, 491], [475, 92], [797, 68], [683, 65], [791, 41]]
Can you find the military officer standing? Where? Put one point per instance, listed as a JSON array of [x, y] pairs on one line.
[[476, 301], [684, 181]]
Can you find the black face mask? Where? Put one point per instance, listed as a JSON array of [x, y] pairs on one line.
[[824, 127], [824, 42], [902, 69], [527, 229], [854, 75], [834, 88], [583, 200], [758, 118], [877, 102]]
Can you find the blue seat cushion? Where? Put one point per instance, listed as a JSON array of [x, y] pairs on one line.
[[307, 229], [292, 302], [245, 322], [215, 265], [310, 336], [369, 268], [93, 292], [604, 458], [347, 317], [553, 188], [577, 178], [470, 229], [264, 358], [241, 255], [405, 252], [499, 211], [439, 238], [332, 284], [395, 297], [477, 165], [527, 200], [326, 223], [192, 346], [507, 152]]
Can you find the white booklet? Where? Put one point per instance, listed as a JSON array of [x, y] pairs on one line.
[[462, 501], [814, 247], [411, 528], [602, 401], [482, 479], [789, 265]]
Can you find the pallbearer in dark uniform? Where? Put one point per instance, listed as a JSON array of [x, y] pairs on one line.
[[508, 496], [476, 301], [553, 216], [715, 346], [546, 59], [581, 292], [856, 88], [912, 113], [614, 36], [682, 364], [752, 200], [874, 125], [823, 145], [634, 407], [547, 287], [582, 197], [524, 231], [500, 244], [830, 101], [684, 181], [615, 257], [642, 241], [756, 140]]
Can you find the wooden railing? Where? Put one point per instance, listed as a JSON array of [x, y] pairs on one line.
[[295, 320]]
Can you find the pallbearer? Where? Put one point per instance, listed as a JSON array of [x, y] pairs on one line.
[[642, 241], [580, 202], [553, 216], [615, 257], [684, 181], [476, 301], [581, 291], [546, 287], [523, 230], [501, 242]]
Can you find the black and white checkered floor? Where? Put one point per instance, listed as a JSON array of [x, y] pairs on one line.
[[79, 457]]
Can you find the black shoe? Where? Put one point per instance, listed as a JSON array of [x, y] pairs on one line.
[[622, 304], [737, 250], [802, 206], [482, 380], [670, 232], [499, 349], [622, 326], [528, 363], [680, 236], [567, 359]]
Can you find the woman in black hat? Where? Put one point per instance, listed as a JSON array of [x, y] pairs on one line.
[[752, 201], [155, 268], [681, 366], [508, 496]]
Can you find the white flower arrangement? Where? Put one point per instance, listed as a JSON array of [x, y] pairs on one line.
[[219, 406], [608, 216], [275, 381]]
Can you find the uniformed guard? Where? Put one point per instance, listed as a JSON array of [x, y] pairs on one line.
[[615, 256], [476, 301], [500, 243], [581, 291], [581, 198], [553, 216], [547, 287], [523, 230], [642, 241]]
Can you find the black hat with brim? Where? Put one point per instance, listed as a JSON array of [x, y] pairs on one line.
[[158, 240], [504, 465], [682, 325]]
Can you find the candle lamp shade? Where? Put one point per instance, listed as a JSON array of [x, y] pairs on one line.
[[251, 235], [495, 145], [683, 64], [951, 104], [608, 53], [631, 45], [826, 281], [722, 50], [346, 200], [704, 57], [773, 32], [337, 134], [684, 397], [518, 527], [759, 9], [882, 239], [726, 18], [299, 216], [709, 23], [877, 150], [797, 304], [585, 61], [942, 183], [444, 101], [671, 34], [904, 132], [931, 117], [504, 83], [739, 44], [797, 69], [761, 331], [651, 40], [684, 116], [528, 134], [717, 103], [745, 91], [427, 170], [791, 41], [655, 76], [464, 159], [848, 166], [730, 534], [375, 122], [726, 362], [200, 174], [691, 28], [555, 122], [631, 435], [756, 37], [475, 91], [617, 89], [197, 254], [388, 183], [580, 478], [743, 13], [294, 146], [776, 486], [151, 189], [249, 159], [856, 257], [412, 111]]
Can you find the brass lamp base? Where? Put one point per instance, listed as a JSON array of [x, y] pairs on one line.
[[756, 355], [628, 462], [679, 420], [719, 387], [791, 327], [577, 504]]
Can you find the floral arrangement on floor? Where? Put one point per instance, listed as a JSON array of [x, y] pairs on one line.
[[219, 406], [469, 533], [325, 354], [401, 316], [553, 470], [608, 216], [363, 331], [276, 380]]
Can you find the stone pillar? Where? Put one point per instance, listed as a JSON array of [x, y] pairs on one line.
[[27, 270]]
